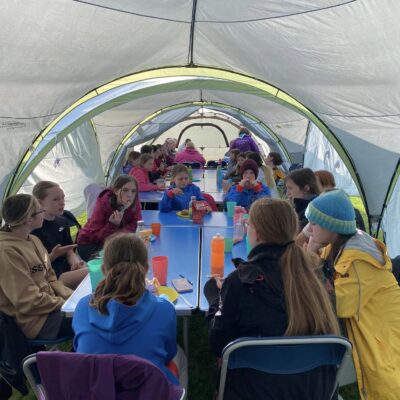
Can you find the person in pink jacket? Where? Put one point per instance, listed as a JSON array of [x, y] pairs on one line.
[[190, 155], [141, 174], [117, 209]]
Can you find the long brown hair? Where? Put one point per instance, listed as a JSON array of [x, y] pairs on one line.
[[125, 266], [305, 179], [119, 183], [16, 210], [309, 309]]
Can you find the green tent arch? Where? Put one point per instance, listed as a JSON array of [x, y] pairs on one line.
[[165, 80]]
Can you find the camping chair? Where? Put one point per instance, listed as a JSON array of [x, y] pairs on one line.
[[285, 355], [90, 193], [59, 376], [71, 219]]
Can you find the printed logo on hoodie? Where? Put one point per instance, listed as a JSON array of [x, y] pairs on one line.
[[37, 268]]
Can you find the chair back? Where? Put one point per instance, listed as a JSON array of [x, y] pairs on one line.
[[285, 355], [91, 192], [60, 376]]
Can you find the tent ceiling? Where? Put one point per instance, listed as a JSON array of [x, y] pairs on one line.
[[346, 72]]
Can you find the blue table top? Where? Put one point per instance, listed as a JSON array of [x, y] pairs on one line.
[[171, 219], [185, 262], [239, 250]]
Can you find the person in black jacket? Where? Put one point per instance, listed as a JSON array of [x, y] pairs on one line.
[[277, 292]]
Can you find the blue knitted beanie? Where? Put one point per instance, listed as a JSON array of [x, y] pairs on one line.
[[333, 211]]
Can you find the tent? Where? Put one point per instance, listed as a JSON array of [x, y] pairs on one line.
[[81, 80]]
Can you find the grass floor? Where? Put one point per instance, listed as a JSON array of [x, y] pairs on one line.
[[202, 363]]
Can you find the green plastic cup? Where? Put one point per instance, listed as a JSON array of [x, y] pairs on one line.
[[228, 244], [230, 206], [95, 272]]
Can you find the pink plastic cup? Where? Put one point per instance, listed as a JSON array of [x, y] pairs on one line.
[[160, 269]]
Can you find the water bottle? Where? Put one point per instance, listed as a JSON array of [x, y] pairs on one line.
[[192, 199], [220, 176], [140, 227], [238, 231], [217, 255], [237, 214]]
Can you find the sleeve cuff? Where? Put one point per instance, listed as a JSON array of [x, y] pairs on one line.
[[258, 187], [239, 188], [170, 194]]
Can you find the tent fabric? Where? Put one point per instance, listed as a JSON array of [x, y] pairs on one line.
[[73, 163], [337, 58], [320, 154]]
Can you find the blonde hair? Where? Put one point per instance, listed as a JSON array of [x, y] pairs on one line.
[[309, 309], [179, 168], [190, 145], [269, 176], [125, 266], [40, 189], [16, 210]]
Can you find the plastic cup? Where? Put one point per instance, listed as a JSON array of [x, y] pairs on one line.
[[160, 269], [228, 245], [230, 206], [95, 272], [156, 228]]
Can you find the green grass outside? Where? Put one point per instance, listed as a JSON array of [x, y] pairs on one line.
[[202, 363]]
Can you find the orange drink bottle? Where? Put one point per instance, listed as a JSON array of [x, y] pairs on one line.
[[217, 255]]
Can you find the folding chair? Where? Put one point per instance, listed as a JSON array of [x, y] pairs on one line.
[[285, 355], [59, 375]]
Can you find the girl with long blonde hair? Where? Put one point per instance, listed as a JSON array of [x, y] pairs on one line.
[[276, 292]]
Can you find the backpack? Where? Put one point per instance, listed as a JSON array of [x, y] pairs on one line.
[[13, 349]]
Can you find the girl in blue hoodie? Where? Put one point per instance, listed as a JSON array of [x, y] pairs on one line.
[[122, 316], [177, 197]]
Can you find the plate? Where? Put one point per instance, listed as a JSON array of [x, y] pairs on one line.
[[179, 214], [171, 293]]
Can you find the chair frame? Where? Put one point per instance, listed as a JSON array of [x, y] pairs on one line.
[[39, 389], [241, 343]]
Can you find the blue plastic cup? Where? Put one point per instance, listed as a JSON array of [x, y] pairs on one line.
[[95, 272], [230, 206]]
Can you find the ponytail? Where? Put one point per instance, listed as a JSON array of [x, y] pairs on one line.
[[124, 282], [309, 309]]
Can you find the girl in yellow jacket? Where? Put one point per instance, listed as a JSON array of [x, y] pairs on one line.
[[367, 294], [29, 289]]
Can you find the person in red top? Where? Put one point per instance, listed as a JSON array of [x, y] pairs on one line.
[[117, 209], [189, 155], [141, 174]]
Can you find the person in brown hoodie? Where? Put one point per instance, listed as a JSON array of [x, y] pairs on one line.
[[29, 289]]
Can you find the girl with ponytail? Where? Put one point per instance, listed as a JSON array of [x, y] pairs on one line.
[[122, 316], [277, 292]]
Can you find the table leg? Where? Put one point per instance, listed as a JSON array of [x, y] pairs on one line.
[[186, 335]]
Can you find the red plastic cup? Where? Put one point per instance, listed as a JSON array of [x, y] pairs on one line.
[[156, 228], [160, 269]]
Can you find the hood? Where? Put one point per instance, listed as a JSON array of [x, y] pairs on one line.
[[373, 251], [105, 194], [122, 321], [7, 237], [190, 151]]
